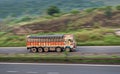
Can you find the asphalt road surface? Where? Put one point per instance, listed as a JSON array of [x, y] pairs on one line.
[[81, 49], [18, 68]]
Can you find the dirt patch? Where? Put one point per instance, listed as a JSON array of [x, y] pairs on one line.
[[117, 32], [64, 23], [45, 26]]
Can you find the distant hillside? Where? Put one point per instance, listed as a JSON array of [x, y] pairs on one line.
[[93, 19], [93, 26], [21, 7]]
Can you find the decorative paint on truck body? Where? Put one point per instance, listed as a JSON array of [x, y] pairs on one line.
[[51, 43]]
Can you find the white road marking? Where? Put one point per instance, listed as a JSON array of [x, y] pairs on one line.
[[53, 73], [59, 64], [32, 72], [12, 71]]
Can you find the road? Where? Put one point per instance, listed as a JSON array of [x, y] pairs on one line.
[[37, 68], [81, 49]]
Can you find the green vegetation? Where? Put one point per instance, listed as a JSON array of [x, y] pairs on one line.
[[74, 11], [97, 37], [94, 37], [11, 40], [21, 7], [53, 10], [60, 58], [90, 27], [118, 7], [108, 11]]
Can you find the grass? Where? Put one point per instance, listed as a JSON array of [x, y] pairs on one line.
[[54, 58], [83, 37], [96, 35]]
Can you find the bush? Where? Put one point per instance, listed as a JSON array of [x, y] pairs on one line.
[[23, 18], [108, 12], [96, 36], [53, 10], [81, 37], [90, 10], [57, 15], [2, 33], [118, 7], [112, 39], [74, 11]]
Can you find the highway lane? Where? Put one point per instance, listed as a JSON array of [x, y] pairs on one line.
[[81, 49], [13, 50], [19, 68], [98, 49]]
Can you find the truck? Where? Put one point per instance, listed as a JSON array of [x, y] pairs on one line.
[[46, 43]]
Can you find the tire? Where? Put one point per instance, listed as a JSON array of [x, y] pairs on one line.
[[40, 50], [68, 49], [33, 50], [58, 49], [46, 49]]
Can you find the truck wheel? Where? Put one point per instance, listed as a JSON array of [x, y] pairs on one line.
[[68, 49], [34, 50], [40, 50], [58, 49], [46, 49]]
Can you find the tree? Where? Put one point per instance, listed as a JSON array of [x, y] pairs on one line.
[[108, 11], [53, 10]]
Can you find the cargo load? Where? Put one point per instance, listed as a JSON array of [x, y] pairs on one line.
[[46, 43]]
